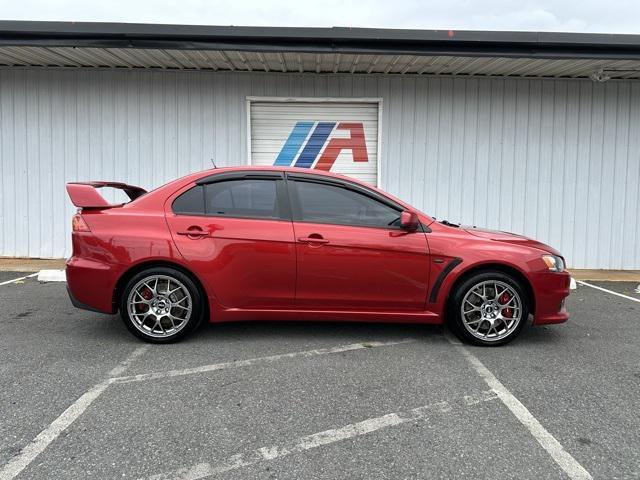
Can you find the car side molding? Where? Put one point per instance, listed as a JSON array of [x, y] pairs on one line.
[[443, 274]]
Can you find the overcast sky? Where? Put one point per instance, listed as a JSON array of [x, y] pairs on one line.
[[613, 16]]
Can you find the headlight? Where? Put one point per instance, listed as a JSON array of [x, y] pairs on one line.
[[554, 263]]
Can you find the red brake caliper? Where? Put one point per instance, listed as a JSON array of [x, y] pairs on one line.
[[147, 294], [504, 299]]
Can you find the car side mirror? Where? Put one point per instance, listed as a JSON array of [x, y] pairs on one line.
[[409, 221]]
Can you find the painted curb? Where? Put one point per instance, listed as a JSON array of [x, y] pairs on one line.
[[52, 276]]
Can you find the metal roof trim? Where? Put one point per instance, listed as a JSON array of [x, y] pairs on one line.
[[321, 40]]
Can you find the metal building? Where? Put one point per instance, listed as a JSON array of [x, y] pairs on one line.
[[534, 133]]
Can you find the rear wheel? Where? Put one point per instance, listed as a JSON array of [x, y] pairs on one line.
[[488, 308], [161, 305]]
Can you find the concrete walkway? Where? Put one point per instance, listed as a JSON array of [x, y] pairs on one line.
[[606, 275], [30, 264]]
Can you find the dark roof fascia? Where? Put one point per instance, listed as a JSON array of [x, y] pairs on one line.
[[321, 40]]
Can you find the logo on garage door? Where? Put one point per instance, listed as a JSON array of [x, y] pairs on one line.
[[304, 146]]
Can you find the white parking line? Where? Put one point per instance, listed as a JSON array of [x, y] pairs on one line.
[[122, 366], [259, 360], [18, 279], [18, 463], [608, 291], [326, 437], [564, 460]]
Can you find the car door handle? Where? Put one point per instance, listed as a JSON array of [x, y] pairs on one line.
[[199, 233], [313, 239]]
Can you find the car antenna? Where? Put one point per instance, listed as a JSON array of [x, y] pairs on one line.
[[214, 163]]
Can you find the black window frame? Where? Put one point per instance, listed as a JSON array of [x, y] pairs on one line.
[[283, 203], [339, 183]]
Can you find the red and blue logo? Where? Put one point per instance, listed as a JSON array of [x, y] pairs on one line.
[[304, 147]]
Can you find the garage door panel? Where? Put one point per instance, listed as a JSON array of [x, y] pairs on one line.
[[338, 136]]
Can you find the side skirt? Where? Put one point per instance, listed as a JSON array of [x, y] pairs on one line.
[[237, 314]]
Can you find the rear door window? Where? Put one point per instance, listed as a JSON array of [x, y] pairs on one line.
[[248, 198]]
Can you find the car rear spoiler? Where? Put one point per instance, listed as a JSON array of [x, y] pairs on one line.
[[85, 194]]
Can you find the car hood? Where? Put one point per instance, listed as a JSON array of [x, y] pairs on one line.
[[507, 237]]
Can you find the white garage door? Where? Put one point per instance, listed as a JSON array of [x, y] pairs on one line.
[[341, 137]]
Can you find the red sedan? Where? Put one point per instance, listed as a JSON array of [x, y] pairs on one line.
[[283, 243]]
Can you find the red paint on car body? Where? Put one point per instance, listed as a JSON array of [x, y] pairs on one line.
[[273, 269]]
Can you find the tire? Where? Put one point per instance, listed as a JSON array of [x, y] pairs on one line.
[[495, 305], [161, 305]]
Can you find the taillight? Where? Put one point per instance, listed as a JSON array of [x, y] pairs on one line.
[[78, 224]]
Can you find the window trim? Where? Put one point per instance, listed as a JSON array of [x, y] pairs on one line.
[[239, 175], [339, 183], [281, 195]]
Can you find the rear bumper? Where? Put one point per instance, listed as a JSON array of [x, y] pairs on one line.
[[78, 304], [550, 290], [91, 284]]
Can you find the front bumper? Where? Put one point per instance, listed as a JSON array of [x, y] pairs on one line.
[[550, 290]]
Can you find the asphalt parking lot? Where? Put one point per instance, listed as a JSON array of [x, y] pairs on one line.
[[81, 398]]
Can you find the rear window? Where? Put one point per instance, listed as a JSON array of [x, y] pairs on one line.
[[190, 202]]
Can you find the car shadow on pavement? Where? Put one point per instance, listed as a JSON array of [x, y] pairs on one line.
[[342, 331], [358, 331], [106, 328], [111, 329], [543, 335]]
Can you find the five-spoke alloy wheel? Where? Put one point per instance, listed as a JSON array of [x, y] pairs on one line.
[[488, 308], [161, 305]]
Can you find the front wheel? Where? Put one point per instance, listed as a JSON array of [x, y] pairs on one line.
[[488, 308], [161, 305]]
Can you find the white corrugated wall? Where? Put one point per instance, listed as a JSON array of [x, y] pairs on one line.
[[554, 159]]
